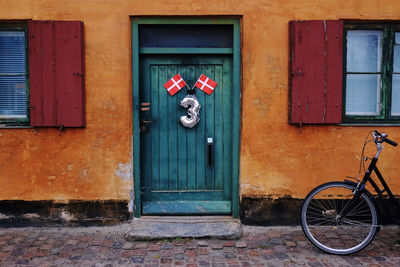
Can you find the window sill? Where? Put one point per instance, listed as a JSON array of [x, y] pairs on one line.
[[370, 124], [2, 126]]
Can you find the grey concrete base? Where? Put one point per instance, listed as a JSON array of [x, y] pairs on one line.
[[155, 228]]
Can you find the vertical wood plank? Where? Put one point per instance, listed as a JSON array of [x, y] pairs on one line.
[[155, 127], [163, 123], [42, 72], [191, 141], [218, 95], [200, 136], [69, 58], [209, 104], [172, 135], [182, 136], [227, 128], [334, 71]]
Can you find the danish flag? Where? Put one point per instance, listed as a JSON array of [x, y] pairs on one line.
[[205, 84], [175, 84]]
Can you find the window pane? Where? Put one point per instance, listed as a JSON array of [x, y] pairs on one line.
[[216, 36], [12, 97], [363, 94], [396, 95], [364, 51], [12, 52], [12, 75], [396, 59]]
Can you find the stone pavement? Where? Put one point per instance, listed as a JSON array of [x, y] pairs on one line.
[[259, 246]]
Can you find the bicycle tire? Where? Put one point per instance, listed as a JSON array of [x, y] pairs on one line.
[[327, 230]]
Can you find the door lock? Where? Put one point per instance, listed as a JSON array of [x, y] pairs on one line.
[[143, 125]]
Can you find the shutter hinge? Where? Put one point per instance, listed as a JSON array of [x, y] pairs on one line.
[[297, 73]]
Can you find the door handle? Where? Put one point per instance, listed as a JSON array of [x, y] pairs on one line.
[[210, 152]]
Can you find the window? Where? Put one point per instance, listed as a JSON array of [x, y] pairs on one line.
[[42, 74], [344, 73], [13, 75], [371, 73], [395, 107]]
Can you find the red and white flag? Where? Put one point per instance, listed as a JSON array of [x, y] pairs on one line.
[[205, 84], [175, 84]]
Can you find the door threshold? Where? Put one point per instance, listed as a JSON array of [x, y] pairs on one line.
[[169, 227], [193, 207], [187, 219]]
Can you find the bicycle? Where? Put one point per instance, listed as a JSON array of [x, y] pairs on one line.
[[342, 217]]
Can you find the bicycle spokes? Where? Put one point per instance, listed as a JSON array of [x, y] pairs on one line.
[[325, 226]]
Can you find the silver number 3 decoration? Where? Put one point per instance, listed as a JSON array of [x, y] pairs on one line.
[[192, 118]]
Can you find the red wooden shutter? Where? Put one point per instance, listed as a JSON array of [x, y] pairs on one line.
[[56, 69], [316, 61]]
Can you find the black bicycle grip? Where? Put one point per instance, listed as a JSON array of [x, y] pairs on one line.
[[390, 142]]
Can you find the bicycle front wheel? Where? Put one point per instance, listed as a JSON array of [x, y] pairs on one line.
[[327, 229]]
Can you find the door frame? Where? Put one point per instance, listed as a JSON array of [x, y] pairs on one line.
[[236, 112]]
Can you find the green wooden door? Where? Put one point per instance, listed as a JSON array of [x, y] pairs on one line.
[[180, 172]]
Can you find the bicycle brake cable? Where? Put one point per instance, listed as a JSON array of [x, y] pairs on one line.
[[362, 162]]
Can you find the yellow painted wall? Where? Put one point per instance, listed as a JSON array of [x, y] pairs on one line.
[[276, 158]]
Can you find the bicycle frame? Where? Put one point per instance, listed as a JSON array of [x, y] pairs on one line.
[[367, 178], [380, 192]]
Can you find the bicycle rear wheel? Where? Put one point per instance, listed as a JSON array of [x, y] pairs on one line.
[[324, 226]]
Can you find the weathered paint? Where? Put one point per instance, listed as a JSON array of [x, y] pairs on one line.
[[44, 213], [56, 73], [315, 90], [276, 158], [282, 211]]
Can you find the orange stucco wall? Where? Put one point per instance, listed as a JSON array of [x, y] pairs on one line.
[[276, 158]]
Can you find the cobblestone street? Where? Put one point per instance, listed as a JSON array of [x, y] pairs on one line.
[[106, 246]]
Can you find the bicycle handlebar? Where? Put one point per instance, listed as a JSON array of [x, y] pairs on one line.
[[382, 137], [390, 142]]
